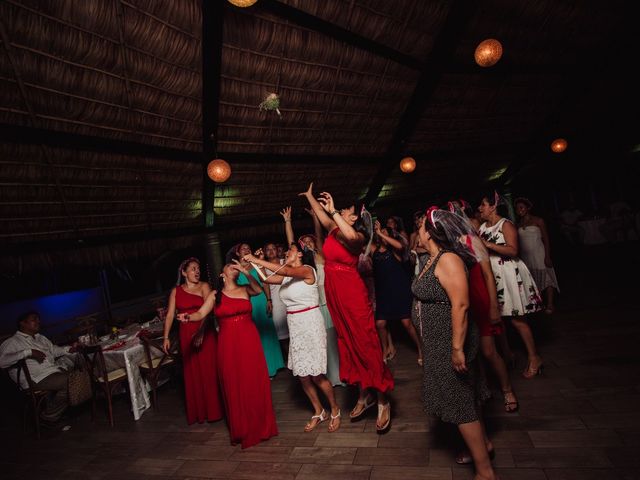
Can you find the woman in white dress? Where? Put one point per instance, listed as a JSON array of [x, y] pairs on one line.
[[535, 251], [313, 244], [516, 289], [307, 334]]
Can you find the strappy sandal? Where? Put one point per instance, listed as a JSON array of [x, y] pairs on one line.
[[332, 427], [510, 407], [364, 406], [310, 427], [465, 458], [381, 409], [420, 361], [530, 373]]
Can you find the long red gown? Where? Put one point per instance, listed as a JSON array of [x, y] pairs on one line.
[[244, 377], [201, 390], [348, 301]]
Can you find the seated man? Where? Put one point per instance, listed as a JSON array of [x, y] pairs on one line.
[[40, 355]]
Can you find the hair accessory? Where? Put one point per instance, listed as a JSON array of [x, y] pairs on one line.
[[429, 214]]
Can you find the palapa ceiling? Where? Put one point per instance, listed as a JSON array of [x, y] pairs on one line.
[[107, 107]]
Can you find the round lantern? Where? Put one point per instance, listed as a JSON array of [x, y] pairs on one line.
[[218, 170], [407, 164], [243, 3], [559, 145], [488, 52]]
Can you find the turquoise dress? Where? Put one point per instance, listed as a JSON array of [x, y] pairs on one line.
[[266, 328]]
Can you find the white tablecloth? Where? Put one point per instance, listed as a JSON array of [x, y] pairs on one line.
[[592, 234], [129, 357]]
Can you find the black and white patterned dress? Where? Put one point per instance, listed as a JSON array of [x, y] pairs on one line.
[[451, 396]]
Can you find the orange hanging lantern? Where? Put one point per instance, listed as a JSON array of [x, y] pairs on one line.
[[219, 170], [488, 52], [407, 164], [559, 145], [243, 3]]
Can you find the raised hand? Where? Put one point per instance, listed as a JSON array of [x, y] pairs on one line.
[[326, 200], [249, 258], [286, 214], [239, 267], [308, 193], [377, 227], [259, 254]]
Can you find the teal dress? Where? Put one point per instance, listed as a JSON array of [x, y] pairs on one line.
[[266, 328]]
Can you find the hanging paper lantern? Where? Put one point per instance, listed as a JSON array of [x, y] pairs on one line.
[[559, 145], [243, 3], [218, 170], [488, 52], [407, 164]]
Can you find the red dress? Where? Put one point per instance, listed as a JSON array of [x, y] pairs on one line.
[[244, 377], [479, 302], [348, 301], [201, 391]]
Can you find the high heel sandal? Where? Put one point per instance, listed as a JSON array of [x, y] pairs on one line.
[[420, 361], [381, 409], [331, 428], [530, 373], [365, 406], [310, 427], [510, 407]]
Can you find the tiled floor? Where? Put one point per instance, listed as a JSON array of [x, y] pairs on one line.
[[581, 421]]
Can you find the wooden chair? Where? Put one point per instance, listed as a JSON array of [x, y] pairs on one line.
[[101, 379], [34, 400], [156, 360]]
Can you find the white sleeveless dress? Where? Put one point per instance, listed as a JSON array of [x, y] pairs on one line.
[[307, 333], [517, 291], [532, 254]]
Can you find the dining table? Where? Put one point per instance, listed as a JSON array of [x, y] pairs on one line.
[[125, 350]]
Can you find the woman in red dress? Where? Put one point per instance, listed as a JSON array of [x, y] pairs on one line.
[[202, 395], [348, 301], [244, 377]]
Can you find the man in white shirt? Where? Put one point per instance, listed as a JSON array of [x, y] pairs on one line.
[[40, 356]]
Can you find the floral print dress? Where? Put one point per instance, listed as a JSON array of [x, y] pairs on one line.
[[517, 291]]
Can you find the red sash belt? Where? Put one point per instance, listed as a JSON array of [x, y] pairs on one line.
[[303, 310]]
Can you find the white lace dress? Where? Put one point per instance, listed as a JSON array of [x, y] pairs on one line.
[[307, 333], [532, 254], [517, 291]]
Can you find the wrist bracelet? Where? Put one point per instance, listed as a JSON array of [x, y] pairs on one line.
[[334, 212]]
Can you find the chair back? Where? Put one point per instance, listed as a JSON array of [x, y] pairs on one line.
[[153, 348], [96, 366]]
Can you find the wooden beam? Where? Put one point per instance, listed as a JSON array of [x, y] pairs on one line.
[[52, 138], [336, 32], [212, 31], [434, 68]]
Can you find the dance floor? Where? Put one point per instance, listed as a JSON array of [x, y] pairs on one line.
[[580, 421]]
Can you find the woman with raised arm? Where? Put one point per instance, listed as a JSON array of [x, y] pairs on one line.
[[201, 391], [358, 343], [262, 308], [517, 292], [392, 286], [313, 243], [307, 335], [242, 368], [453, 386]]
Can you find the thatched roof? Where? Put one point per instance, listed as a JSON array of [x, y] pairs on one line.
[[107, 106]]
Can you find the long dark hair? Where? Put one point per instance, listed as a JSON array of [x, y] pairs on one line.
[[208, 322], [307, 255]]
